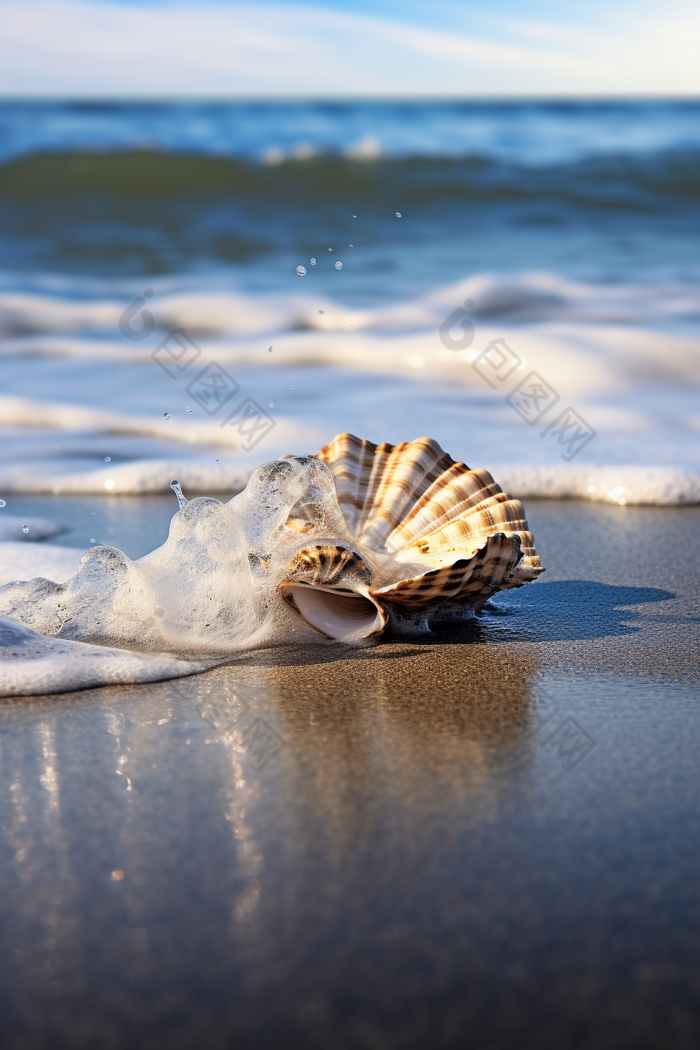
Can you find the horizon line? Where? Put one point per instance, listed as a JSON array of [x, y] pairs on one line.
[[145, 98]]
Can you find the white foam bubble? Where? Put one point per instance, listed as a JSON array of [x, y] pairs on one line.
[[624, 356], [622, 484], [34, 665], [211, 589]]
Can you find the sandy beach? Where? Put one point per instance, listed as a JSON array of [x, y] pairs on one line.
[[493, 830], [483, 837]]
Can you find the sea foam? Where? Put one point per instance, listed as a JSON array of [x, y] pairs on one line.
[[33, 665], [101, 417], [209, 591]]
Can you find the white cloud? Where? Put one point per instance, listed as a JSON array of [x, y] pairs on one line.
[[82, 48]]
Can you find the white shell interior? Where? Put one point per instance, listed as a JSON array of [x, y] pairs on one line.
[[337, 615]]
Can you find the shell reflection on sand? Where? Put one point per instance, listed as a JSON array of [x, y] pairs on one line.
[[353, 539]]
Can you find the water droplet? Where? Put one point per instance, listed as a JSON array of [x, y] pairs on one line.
[[166, 415], [148, 293], [351, 246], [398, 215], [354, 216], [217, 461], [320, 311], [2, 503], [93, 540], [25, 529], [108, 459], [313, 262], [188, 409], [301, 270], [94, 513], [269, 349], [339, 265], [175, 486], [291, 386], [271, 404], [330, 249], [58, 446]]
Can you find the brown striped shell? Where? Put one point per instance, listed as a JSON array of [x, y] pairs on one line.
[[412, 503]]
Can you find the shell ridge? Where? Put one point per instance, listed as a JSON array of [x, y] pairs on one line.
[[444, 481], [425, 528], [381, 464], [410, 470], [454, 491]]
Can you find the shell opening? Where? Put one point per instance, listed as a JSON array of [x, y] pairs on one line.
[[332, 613]]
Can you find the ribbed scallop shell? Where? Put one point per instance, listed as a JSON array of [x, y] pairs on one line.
[[414, 502]]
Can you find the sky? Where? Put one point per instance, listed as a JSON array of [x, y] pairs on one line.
[[348, 48]]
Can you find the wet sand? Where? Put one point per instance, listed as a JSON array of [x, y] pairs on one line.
[[486, 838]]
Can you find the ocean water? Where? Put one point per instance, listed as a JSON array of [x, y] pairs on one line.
[[518, 281]]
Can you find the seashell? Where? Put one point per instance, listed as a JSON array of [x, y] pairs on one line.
[[428, 534], [328, 585]]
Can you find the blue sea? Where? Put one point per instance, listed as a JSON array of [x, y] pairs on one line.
[[312, 253]]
